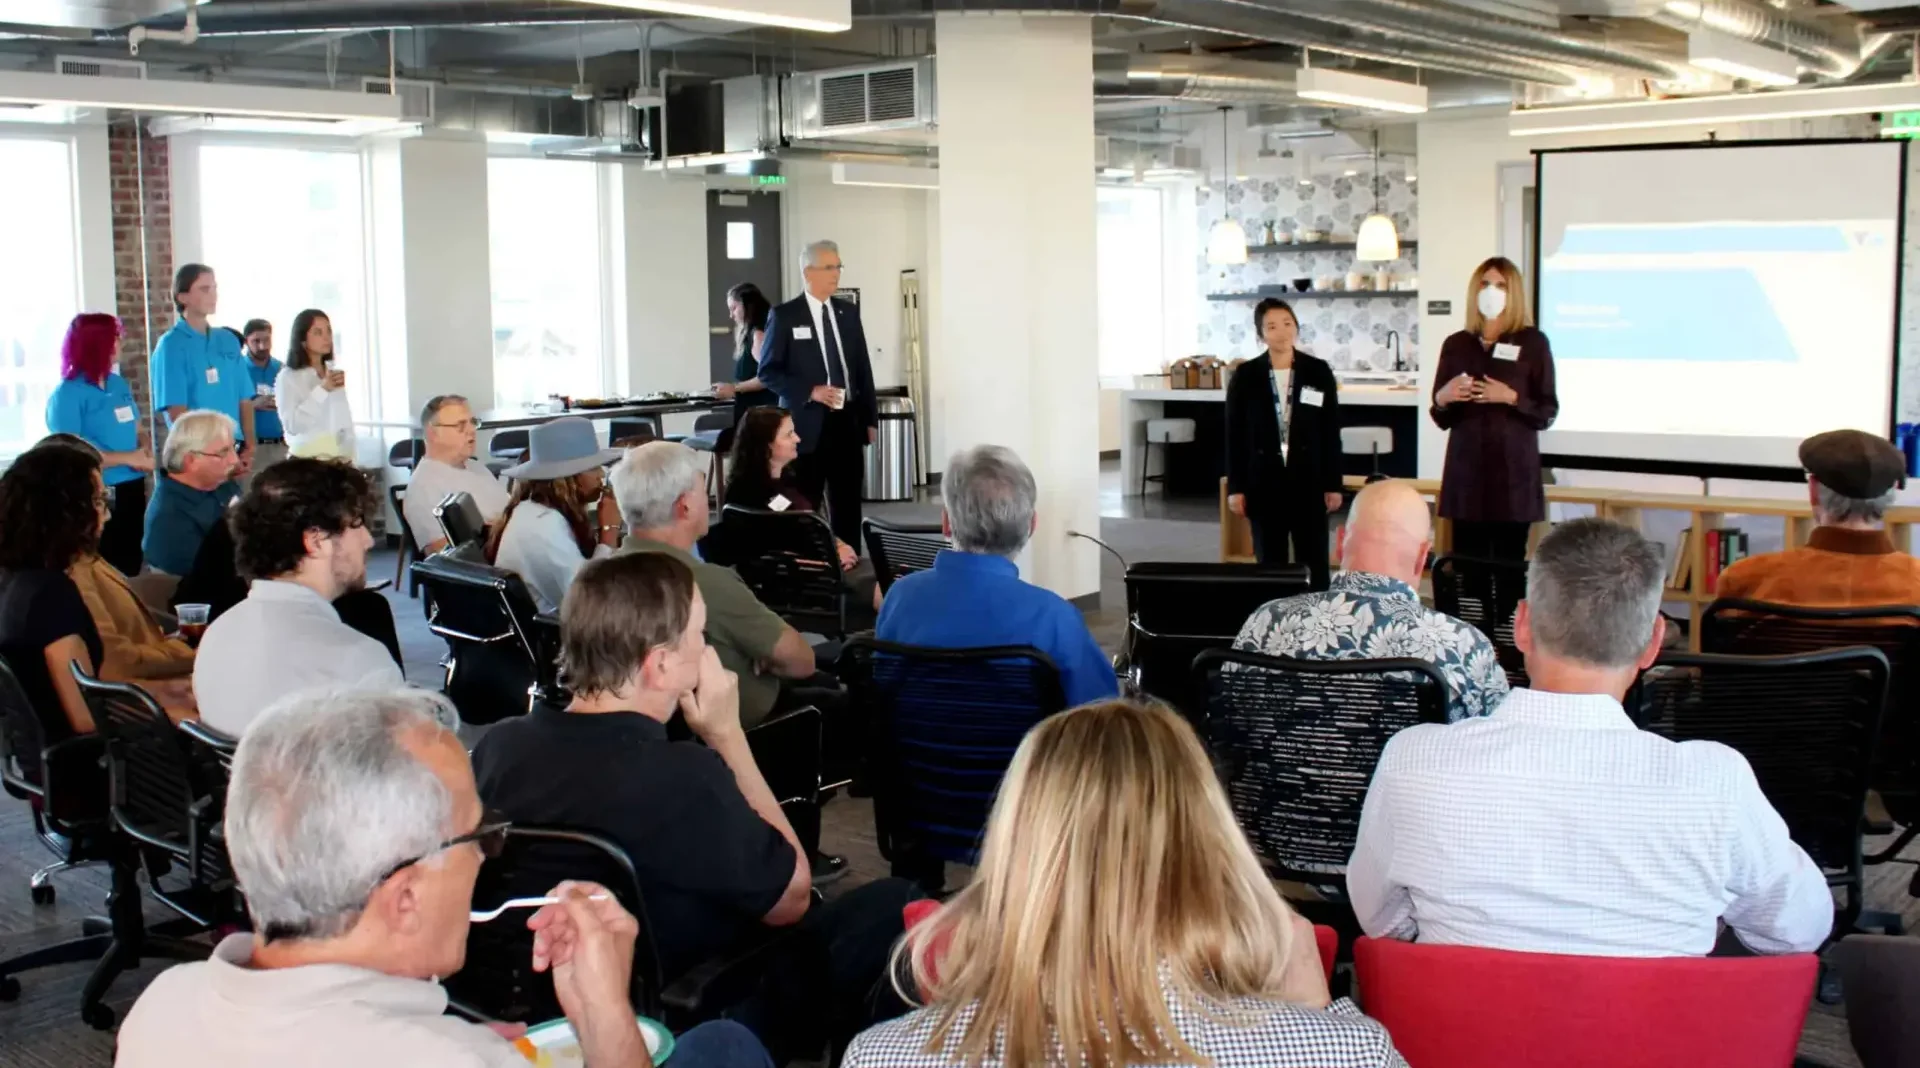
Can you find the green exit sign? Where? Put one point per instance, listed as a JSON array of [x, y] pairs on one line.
[[1900, 124], [781, 179]]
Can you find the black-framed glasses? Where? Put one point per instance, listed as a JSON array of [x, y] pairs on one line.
[[490, 836], [464, 424]]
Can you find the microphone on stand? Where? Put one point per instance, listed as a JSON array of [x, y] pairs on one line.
[[1115, 553]]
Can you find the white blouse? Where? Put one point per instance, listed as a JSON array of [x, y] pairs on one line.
[[539, 547], [318, 422]]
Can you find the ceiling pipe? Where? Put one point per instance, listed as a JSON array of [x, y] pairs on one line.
[[1176, 77], [237, 17], [1817, 49]]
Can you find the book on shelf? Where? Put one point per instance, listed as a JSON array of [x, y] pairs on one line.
[[1680, 570], [1714, 539], [1724, 546]]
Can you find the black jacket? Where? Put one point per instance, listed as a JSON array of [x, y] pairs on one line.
[[791, 366], [1254, 465]]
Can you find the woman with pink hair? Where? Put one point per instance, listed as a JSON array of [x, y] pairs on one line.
[[95, 404]]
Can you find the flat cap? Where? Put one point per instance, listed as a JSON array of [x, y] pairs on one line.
[[1853, 463]]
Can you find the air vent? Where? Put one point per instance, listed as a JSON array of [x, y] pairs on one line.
[[890, 95], [90, 67], [416, 97], [855, 101], [843, 100]]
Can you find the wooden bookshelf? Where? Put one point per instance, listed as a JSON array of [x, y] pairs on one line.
[[1625, 506]]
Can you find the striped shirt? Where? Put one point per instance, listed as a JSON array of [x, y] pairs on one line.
[[1556, 826]]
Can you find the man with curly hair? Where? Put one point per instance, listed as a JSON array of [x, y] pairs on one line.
[[301, 536]]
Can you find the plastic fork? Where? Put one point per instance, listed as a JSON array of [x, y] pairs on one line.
[[484, 915]]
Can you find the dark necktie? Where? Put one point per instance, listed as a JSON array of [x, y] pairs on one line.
[[836, 371]]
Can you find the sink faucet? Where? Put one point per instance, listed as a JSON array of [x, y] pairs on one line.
[[1398, 363]]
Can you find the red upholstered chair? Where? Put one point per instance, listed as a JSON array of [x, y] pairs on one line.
[[1463, 1007], [1326, 939]]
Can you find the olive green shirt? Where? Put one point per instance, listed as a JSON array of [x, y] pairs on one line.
[[741, 629]]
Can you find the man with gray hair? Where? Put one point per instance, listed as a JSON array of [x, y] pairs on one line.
[[973, 595], [1557, 826], [1848, 560], [356, 834], [450, 432], [815, 359], [200, 460]]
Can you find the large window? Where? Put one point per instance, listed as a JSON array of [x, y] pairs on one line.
[[1131, 281], [549, 280], [283, 231], [39, 281]]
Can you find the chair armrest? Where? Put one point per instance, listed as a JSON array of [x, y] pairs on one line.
[[73, 779], [723, 980], [467, 1012], [208, 737], [383, 584]]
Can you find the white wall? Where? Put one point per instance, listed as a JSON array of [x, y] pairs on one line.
[[448, 273], [881, 231]]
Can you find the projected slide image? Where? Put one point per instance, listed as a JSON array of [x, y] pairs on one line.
[[1705, 292]]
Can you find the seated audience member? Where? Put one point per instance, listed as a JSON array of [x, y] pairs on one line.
[[54, 506], [718, 860], [765, 445], [357, 835], [301, 537], [1118, 917], [974, 596], [1372, 609], [200, 461], [662, 490], [451, 433], [1556, 826], [1848, 560], [553, 524]]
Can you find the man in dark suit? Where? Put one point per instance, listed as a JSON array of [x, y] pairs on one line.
[[815, 359]]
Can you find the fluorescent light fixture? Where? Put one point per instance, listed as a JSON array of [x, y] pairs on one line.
[[1226, 243], [1725, 54], [195, 98], [1377, 240], [169, 125], [1359, 90], [1706, 110], [824, 16], [880, 174]]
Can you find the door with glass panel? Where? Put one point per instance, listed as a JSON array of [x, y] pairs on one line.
[[743, 245]]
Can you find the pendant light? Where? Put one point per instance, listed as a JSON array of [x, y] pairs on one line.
[[1227, 241], [1377, 240]]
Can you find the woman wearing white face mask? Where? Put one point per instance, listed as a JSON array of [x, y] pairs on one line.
[[1494, 391]]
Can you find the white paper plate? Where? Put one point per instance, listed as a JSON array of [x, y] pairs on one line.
[[558, 1034]]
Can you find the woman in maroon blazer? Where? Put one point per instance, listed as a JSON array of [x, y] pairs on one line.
[[1494, 392]]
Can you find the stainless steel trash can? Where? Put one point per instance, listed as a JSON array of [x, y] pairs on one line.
[[891, 459]]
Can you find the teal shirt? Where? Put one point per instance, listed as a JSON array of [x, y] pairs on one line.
[[105, 416], [178, 518], [265, 424], [196, 370]]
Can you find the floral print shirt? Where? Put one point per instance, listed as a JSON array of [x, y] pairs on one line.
[[1373, 617]]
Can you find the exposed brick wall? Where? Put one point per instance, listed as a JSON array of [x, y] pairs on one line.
[[139, 161]]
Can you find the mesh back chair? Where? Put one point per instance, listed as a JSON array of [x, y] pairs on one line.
[[486, 616], [899, 549], [509, 445], [626, 433], [1296, 742], [1806, 723], [409, 548], [405, 454], [460, 519], [1757, 628], [168, 808], [1176, 611], [1485, 594], [942, 725], [1881, 975], [790, 562]]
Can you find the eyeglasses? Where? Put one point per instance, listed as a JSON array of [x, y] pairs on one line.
[[464, 424], [830, 267], [217, 453], [490, 836], [103, 501]]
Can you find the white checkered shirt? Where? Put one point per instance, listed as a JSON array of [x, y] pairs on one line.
[[1280, 1036], [1555, 826]]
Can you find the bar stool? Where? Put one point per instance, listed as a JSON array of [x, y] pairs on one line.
[[1367, 440], [1162, 432]]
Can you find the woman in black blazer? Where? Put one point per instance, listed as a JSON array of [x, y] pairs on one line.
[[1284, 493]]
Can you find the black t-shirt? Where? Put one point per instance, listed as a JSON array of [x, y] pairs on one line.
[[37, 608], [709, 866]]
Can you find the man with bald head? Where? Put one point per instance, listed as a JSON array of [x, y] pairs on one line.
[[1372, 609]]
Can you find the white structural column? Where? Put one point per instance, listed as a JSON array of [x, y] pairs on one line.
[[1014, 360]]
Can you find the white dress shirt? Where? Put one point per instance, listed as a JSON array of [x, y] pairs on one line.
[[282, 639], [539, 547], [317, 421], [824, 320], [1554, 825], [433, 480]]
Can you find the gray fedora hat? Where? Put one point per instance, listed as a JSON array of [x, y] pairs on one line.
[[562, 448]]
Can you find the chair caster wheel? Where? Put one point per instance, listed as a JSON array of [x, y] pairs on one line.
[[42, 894], [9, 988], [98, 1017]]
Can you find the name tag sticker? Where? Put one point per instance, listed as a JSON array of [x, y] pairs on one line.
[[779, 503], [803, 333], [261, 389], [1506, 351], [213, 376], [1311, 396], [123, 413]]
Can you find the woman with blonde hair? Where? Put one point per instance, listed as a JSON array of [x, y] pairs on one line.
[[1493, 390], [1118, 917]]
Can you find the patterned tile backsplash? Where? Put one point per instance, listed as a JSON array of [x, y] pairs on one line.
[[1346, 333]]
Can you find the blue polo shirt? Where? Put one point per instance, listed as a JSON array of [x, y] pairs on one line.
[[265, 424], [201, 371], [178, 518], [971, 599], [105, 417]]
